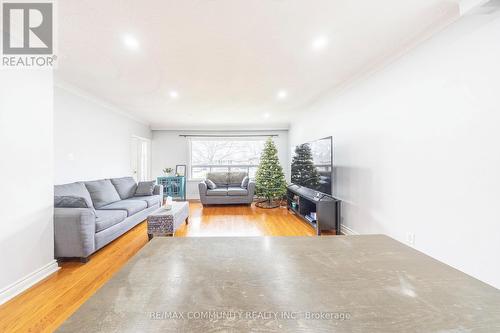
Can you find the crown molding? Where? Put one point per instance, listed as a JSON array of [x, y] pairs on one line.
[[61, 84]]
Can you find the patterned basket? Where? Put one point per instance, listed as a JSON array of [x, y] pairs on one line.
[[161, 224]]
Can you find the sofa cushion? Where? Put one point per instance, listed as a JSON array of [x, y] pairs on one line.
[[69, 201], [129, 205], [210, 184], [219, 191], [102, 192], [219, 178], [125, 186], [108, 218], [237, 191], [145, 189], [150, 200], [74, 189], [235, 178], [244, 182]]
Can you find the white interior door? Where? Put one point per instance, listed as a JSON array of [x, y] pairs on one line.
[[141, 158]]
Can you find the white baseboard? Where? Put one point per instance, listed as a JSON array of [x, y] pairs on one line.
[[22, 284], [347, 231]]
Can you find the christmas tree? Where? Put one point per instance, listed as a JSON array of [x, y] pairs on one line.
[[303, 171], [270, 179]]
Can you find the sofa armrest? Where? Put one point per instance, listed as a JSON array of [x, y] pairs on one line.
[[74, 232], [251, 188], [202, 187], [158, 190]]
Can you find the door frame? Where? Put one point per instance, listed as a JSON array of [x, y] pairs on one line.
[[135, 157]]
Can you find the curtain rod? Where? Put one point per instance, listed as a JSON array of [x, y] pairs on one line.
[[227, 136]]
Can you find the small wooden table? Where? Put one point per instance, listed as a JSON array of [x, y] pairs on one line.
[[164, 222]]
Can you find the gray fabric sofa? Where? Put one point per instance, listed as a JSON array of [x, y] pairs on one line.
[[94, 213], [228, 189]]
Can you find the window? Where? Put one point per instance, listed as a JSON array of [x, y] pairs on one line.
[[224, 155]]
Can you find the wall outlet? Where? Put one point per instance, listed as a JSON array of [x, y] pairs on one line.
[[410, 239]]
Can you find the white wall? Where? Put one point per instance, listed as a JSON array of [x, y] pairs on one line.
[[169, 149], [92, 140], [26, 146], [417, 147]]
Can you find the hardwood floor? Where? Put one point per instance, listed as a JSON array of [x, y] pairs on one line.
[[46, 305], [241, 221]]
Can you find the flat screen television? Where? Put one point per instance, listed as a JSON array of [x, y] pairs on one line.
[[312, 165]]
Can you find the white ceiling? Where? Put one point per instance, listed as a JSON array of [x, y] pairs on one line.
[[228, 59]]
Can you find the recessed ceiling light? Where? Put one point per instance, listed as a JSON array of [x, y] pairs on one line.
[[131, 42], [173, 94], [267, 115], [319, 43], [282, 94]]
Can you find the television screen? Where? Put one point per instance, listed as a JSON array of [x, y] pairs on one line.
[[312, 165]]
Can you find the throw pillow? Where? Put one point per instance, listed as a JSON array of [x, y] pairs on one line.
[[69, 201], [210, 184], [244, 182], [145, 189], [75, 190]]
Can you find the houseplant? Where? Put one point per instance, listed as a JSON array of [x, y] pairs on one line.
[[168, 171]]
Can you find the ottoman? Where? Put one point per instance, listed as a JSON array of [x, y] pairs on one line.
[[164, 222]]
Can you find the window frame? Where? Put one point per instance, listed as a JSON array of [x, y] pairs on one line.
[[210, 166]]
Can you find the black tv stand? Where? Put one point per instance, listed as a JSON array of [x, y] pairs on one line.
[[303, 201]]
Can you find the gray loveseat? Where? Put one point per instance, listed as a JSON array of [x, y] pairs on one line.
[[228, 190], [97, 212]]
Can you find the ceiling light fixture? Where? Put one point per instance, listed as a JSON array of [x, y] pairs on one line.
[[282, 94], [173, 94], [267, 115], [131, 42], [319, 43]]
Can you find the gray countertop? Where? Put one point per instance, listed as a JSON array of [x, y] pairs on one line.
[[366, 283]]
